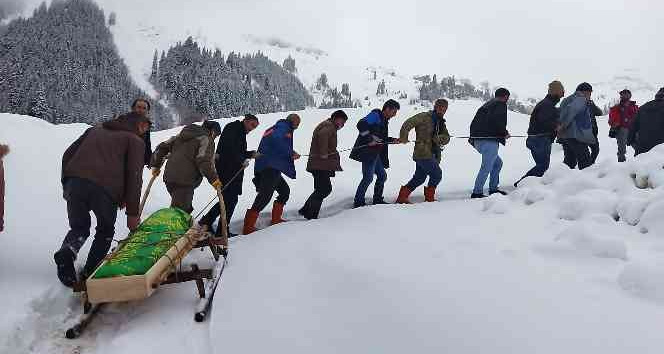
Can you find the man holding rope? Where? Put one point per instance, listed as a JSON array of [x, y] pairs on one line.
[[276, 157], [487, 131], [231, 160], [431, 133], [101, 172], [371, 148], [324, 161]]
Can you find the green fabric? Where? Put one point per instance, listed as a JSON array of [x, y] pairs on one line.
[[141, 250]]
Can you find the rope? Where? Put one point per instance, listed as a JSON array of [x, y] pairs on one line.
[[205, 208]]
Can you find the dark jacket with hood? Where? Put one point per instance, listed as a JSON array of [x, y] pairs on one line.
[[276, 149], [190, 157], [648, 127], [545, 117], [373, 128], [112, 157], [231, 154], [490, 121]]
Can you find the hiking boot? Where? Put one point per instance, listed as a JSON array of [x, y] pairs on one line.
[[64, 259], [497, 191], [277, 212], [429, 194], [477, 196], [250, 222], [404, 193]]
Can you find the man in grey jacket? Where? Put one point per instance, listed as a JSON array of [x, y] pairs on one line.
[[575, 130]]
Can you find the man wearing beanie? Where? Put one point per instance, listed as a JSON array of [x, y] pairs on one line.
[[648, 128], [542, 130], [575, 129], [621, 117]]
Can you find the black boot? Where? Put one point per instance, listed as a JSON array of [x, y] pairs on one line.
[[64, 259], [498, 191], [477, 196]]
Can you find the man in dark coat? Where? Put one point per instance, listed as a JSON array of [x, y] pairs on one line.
[[371, 148], [575, 130], [276, 156], [142, 107], [190, 157], [648, 128], [101, 172], [231, 160], [542, 130], [487, 131], [594, 148], [324, 161]]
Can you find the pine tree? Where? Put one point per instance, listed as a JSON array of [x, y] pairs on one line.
[[155, 68]]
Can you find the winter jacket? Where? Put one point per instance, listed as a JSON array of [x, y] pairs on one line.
[[594, 113], [112, 157], [190, 156], [324, 143], [622, 116], [430, 133], [648, 127], [544, 118], [276, 149], [576, 119], [231, 154], [373, 128], [490, 121]]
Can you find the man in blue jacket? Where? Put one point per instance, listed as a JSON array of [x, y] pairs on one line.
[[275, 156], [371, 148], [576, 129]]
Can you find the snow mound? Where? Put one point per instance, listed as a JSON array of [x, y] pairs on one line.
[[580, 238]]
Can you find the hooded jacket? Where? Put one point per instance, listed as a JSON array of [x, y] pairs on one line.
[[576, 113], [190, 157], [622, 116], [276, 149], [430, 133], [112, 157], [373, 128]]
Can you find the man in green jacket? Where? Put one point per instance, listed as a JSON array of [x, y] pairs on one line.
[[190, 157], [431, 133]]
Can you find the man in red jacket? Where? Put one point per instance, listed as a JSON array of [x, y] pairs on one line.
[[621, 117]]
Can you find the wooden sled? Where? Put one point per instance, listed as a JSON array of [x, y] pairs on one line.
[[167, 270]]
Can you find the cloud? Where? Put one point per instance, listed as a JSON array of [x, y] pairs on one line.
[[10, 7]]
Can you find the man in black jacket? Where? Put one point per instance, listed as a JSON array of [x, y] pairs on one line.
[[542, 130], [487, 131], [142, 107], [371, 148], [231, 160], [648, 128]]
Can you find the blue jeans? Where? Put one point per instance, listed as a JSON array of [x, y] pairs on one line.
[[369, 169], [423, 169], [540, 148], [491, 165]]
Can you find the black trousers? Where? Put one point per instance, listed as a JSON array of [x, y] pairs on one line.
[[230, 202], [182, 197], [267, 182], [322, 189], [84, 196], [576, 154]]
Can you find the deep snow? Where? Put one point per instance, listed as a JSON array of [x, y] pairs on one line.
[[570, 262]]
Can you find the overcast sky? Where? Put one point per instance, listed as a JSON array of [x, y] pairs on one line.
[[522, 44]]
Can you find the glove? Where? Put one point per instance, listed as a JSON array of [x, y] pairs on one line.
[[217, 184], [155, 172]]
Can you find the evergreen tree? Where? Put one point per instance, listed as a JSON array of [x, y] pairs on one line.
[[289, 65], [155, 68]]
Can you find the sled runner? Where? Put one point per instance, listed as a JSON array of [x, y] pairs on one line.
[[151, 256]]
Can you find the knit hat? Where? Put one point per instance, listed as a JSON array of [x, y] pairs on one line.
[[556, 88], [660, 94], [584, 87]]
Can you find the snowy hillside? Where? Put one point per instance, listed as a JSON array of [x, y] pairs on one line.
[[568, 263]]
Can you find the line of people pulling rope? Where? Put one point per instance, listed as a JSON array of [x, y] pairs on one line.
[[102, 169]]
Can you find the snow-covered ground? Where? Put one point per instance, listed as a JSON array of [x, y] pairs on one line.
[[571, 262]]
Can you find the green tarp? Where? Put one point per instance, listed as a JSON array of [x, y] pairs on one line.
[[141, 250]]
